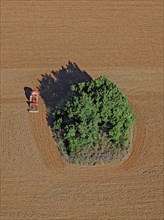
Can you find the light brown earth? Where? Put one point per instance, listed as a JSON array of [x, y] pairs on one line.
[[122, 39]]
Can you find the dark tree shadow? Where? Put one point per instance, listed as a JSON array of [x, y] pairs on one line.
[[54, 87]]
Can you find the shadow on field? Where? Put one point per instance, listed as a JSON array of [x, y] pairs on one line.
[[54, 87], [27, 92]]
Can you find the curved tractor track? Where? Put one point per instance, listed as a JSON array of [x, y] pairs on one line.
[[32, 167], [44, 140], [120, 39]]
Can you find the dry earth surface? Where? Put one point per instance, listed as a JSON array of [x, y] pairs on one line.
[[122, 39]]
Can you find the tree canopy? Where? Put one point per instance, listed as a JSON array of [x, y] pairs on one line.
[[93, 108]]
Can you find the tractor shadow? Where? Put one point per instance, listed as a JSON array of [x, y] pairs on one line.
[[54, 87], [27, 92]]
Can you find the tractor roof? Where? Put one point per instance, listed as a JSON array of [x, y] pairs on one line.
[[35, 91]]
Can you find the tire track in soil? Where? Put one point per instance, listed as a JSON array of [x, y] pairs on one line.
[[150, 145], [44, 140], [137, 145], [42, 135], [52, 158], [138, 140], [139, 134]]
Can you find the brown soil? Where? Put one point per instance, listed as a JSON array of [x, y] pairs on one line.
[[122, 39]]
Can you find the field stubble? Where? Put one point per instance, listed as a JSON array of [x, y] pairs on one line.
[[121, 39], [37, 184]]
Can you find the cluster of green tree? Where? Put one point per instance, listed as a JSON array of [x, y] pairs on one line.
[[95, 107]]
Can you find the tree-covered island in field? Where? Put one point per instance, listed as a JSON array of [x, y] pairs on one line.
[[93, 124]]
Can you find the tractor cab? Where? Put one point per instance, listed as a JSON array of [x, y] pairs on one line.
[[33, 104]]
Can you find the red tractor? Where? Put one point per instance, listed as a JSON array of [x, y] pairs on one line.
[[33, 103]]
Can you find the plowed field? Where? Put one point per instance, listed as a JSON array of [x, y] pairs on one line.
[[122, 39]]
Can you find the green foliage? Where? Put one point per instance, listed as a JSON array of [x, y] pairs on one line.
[[95, 107]]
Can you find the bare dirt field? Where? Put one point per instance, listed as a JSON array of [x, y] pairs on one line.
[[121, 39]]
